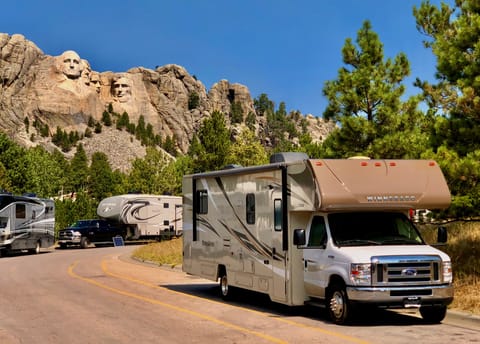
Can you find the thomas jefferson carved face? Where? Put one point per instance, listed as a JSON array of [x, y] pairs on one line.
[[71, 64], [95, 81], [122, 89]]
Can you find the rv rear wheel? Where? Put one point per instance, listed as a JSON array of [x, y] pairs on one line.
[[338, 306], [225, 289], [35, 250]]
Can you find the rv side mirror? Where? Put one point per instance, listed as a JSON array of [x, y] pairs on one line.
[[299, 237], [442, 235]]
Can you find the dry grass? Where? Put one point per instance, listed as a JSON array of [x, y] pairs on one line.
[[167, 252], [463, 248]]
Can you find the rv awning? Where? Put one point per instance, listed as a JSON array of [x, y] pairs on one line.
[[361, 183]]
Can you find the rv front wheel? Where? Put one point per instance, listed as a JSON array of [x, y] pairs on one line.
[[433, 314], [338, 306]]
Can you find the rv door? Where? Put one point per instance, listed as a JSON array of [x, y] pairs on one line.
[[278, 261]]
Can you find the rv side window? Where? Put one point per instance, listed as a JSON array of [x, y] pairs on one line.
[[166, 205], [250, 208], [277, 215], [318, 232], [202, 199], [20, 212], [166, 222]]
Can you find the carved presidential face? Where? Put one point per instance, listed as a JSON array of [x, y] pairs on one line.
[[122, 89], [95, 81], [71, 64], [86, 72]]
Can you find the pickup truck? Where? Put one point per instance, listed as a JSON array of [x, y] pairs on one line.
[[84, 232]]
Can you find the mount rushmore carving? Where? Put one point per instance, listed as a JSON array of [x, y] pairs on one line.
[[64, 91]]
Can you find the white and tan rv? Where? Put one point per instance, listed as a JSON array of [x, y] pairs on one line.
[[335, 233], [145, 216]]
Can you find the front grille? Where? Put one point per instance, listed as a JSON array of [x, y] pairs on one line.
[[405, 270], [65, 235]]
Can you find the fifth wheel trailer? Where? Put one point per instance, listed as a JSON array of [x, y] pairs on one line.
[[144, 215], [334, 233]]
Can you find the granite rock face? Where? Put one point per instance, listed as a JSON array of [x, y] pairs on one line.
[[64, 91]]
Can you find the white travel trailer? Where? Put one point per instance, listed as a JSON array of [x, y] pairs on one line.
[[26, 223], [145, 216], [333, 233]]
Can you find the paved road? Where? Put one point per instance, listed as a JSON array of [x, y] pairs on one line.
[[99, 295]]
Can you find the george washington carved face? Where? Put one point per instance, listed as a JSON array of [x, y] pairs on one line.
[[122, 89], [71, 64]]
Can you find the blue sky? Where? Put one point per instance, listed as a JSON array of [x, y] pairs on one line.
[[284, 48]]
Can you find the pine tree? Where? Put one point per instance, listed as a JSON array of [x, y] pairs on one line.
[[456, 96], [365, 100], [100, 180], [79, 169]]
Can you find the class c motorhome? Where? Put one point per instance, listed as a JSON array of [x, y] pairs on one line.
[[144, 215], [334, 233], [26, 223]]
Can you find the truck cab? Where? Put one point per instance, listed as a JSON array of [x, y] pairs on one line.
[[376, 258], [84, 232]]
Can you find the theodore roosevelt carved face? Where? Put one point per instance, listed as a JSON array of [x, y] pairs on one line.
[[71, 64], [122, 90]]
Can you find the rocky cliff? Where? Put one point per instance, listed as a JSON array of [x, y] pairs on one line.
[[64, 91]]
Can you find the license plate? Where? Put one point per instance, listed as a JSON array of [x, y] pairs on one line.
[[412, 302]]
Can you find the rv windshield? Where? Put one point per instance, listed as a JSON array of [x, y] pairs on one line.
[[372, 228]]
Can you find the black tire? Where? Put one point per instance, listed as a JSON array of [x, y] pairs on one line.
[[225, 290], [63, 246], [84, 242], [35, 250], [338, 306], [433, 314]]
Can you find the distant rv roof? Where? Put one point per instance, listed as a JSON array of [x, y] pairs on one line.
[[288, 157]]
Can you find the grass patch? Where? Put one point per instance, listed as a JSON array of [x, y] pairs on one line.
[[168, 252], [463, 247]]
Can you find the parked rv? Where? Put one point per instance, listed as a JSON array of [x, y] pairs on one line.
[[144, 216], [26, 223], [334, 233]]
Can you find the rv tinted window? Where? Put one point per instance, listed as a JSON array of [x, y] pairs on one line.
[[318, 233], [166, 222], [166, 205], [20, 212], [202, 199], [277, 216], [250, 201]]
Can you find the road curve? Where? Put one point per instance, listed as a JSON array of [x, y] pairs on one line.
[[100, 295]]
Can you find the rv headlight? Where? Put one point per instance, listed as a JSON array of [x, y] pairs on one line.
[[77, 233], [361, 274], [447, 272]]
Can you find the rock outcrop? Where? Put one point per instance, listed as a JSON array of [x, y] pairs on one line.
[[64, 91]]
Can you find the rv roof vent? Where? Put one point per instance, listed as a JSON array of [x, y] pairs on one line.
[[288, 157]]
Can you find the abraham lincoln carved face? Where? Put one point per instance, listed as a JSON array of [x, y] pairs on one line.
[[122, 89]]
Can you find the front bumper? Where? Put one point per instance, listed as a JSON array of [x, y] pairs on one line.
[[71, 241], [402, 296]]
